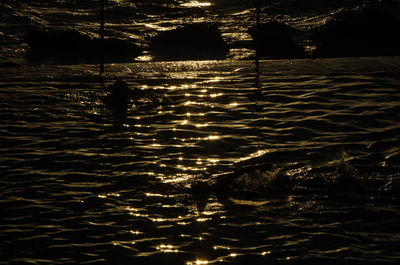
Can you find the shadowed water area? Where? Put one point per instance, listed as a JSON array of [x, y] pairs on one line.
[[86, 181], [81, 183]]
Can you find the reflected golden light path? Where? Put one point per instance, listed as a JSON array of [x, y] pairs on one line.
[[144, 58], [135, 232], [167, 248], [254, 155], [197, 262], [192, 4], [202, 94]]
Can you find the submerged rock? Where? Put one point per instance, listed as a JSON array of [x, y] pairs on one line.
[[190, 42], [274, 40], [365, 32], [74, 47]]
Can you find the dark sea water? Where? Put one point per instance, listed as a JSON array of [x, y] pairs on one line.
[[83, 184]]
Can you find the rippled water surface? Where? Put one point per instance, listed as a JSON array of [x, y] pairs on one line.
[[83, 183], [139, 20]]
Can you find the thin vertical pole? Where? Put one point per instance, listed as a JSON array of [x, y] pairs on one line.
[[102, 36], [256, 36], [257, 29], [258, 12]]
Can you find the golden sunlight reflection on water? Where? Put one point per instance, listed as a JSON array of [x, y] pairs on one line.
[[197, 262], [259, 153], [167, 248], [194, 3], [149, 218]]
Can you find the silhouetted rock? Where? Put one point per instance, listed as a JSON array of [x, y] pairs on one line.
[[365, 32], [272, 27], [71, 47], [8, 64], [274, 40], [195, 41]]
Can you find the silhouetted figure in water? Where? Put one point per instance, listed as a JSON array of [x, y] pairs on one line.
[[119, 93], [222, 184], [119, 96]]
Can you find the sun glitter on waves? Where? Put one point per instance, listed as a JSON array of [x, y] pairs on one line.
[[197, 262], [196, 4], [167, 248]]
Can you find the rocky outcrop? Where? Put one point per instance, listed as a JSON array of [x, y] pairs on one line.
[[8, 64], [190, 42], [73, 47], [356, 33], [274, 40]]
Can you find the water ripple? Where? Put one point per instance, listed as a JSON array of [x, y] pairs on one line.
[[81, 184]]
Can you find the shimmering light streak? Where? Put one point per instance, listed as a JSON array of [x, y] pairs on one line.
[[201, 125], [215, 79], [174, 178], [187, 168], [197, 262], [144, 58], [135, 232], [155, 195], [189, 102], [158, 220], [157, 27], [214, 95], [200, 220], [167, 248], [102, 196], [213, 137], [253, 155], [196, 4]]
